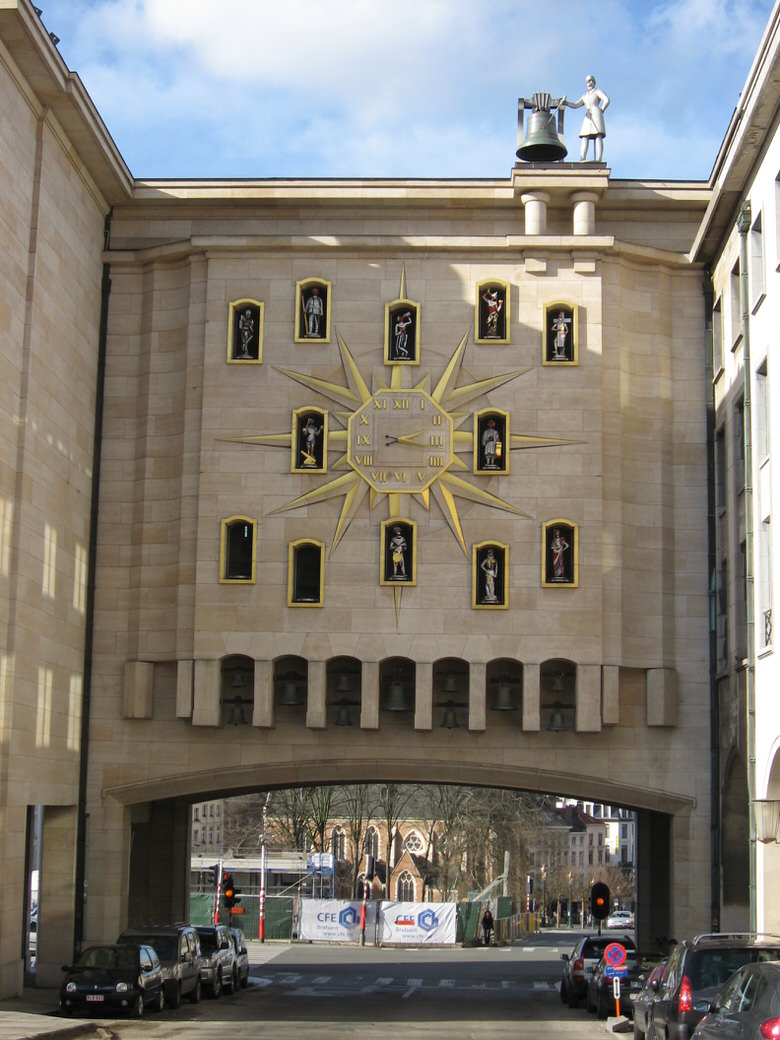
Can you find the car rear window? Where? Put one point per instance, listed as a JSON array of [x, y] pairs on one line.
[[710, 968], [164, 945]]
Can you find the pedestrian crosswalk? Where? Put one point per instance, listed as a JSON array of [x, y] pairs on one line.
[[310, 985]]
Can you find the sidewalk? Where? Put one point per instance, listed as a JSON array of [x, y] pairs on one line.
[[33, 1017]]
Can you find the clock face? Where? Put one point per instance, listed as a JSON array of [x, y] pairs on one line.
[[400, 441]]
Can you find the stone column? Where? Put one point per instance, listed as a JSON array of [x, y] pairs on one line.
[[369, 695], [423, 699], [184, 681], [315, 700], [55, 896], [206, 708], [531, 709], [584, 212], [610, 695], [477, 695], [263, 709], [535, 203], [588, 699]]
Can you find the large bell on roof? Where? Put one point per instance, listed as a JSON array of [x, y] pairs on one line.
[[542, 141]]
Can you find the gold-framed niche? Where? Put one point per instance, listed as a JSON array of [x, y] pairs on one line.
[[398, 556], [306, 573], [312, 310], [491, 442], [560, 554], [489, 576], [237, 550], [245, 332], [491, 312], [309, 439], [402, 332], [560, 334]]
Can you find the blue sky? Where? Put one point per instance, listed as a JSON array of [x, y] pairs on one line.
[[403, 88]]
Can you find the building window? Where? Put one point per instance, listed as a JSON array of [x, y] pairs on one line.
[[765, 582], [372, 842], [338, 843], [237, 550], [762, 420], [305, 585], [739, 447], [756, 264], [413, 843], [718, 360], [735, 307], [405, 888], [196, 813]]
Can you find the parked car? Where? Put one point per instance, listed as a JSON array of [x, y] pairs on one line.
[[620, 919], [697, 969], [122, 977], [218, 958], [748, 1006], [579, 964], [600, 995], [242, 957], [178, 947], [643, 1001]]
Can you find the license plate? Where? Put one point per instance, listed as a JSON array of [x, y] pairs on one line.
[[95, 998]]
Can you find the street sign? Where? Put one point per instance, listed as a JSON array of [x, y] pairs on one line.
[[615, 973], [615, 955]]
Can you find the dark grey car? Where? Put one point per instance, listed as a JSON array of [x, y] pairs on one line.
[[697, 970], [178, 947], [748, 1006]]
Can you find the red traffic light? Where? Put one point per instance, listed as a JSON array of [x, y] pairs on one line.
[[599, 901]]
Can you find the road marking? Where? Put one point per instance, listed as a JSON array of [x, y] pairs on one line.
[[413, 985], [289, 980], [446, 983], [320, 980], [382, 981]]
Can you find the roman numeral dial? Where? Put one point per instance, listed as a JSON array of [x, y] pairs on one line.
[[400, 441]]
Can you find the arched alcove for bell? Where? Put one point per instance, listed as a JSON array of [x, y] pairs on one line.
[[237, 676], [291, 678], [343, 691], [504, 692], [558, 697], [397, 691]]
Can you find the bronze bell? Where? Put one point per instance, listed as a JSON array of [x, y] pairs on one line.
[[542, 143], [396, 699]]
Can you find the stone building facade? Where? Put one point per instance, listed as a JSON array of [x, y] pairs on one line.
[[195, 591]]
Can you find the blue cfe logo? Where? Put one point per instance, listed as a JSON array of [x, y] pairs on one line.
[[427, 920], [348, 917]]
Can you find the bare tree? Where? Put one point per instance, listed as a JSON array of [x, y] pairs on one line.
[[291, 816], [356, 808], [321, 807], [393, 801]]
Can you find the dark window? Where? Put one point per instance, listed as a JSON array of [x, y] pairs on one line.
[[307, 566], [239, 537]]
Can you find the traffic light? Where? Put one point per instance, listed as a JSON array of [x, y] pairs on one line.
[[228, 892], [370, 868], [599, 901]]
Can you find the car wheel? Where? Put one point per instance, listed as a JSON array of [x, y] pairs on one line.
[[236, 981], [174, 995], [137, 1009], [564, 993], [195, 993], [159, 1004], [601, 1009], [573, 1000], [216, 988], [245, 980], [227, 984]]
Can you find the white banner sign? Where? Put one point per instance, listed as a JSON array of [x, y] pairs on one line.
[[335, 920], [418, 923]]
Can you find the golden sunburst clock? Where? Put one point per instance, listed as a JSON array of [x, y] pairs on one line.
[[400, 440]]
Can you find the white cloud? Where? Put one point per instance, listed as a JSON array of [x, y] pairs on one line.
[[416, 87]]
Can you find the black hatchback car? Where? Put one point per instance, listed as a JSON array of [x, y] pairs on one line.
[[580, 964], [696, 970], [126, 977], [633, 972]]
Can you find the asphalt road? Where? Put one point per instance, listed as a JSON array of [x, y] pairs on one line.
[[314, 992]]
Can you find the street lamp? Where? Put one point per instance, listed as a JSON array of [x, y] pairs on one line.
[[571, 915], [544, 894]]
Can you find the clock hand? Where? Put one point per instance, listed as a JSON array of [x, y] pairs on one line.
[[405, 438]]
